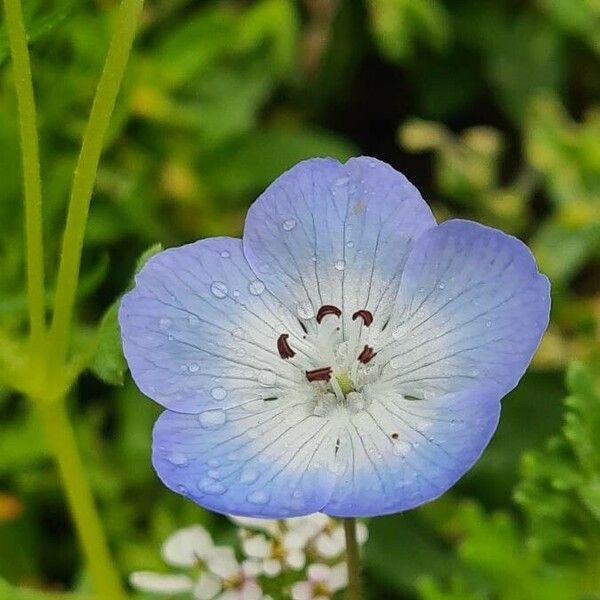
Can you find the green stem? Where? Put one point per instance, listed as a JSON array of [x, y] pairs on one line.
[[85, 175], [352, 560], [61, 438], [31, 169]]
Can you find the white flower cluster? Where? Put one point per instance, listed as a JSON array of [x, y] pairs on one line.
[[269, 547]]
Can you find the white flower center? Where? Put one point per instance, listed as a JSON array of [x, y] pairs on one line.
[[343, 365]]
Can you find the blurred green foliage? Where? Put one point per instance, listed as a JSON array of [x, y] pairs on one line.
[[491, 108]]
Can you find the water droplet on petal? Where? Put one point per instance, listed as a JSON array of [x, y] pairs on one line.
[[305, 310], [178, 458], [350, 244], [441, 285], [258, 497], [395, 363], [193, 320], [289, 224], [340, 265], [341, 181], [210, 486], [218, 393], [266, 377], [256, 287], [212, 419], [401, 447], [194, 368], [219, 289], [164, 323], [249, 476], [225, 254], [488, 324]]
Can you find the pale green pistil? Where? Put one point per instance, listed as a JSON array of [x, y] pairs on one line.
[[345, 383]]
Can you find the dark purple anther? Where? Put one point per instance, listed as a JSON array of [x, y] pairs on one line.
[[365, 315], [283, 346], [366, 355], [327, 309], [323, 374]]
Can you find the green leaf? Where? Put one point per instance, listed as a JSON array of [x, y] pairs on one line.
[[560, 486], [40, 26], [253, 163], [108, 362], [9, 592], [398, 24], [501, 563]]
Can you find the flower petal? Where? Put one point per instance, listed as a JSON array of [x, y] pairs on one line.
[[338, 578], [186, 546], [401, 453], [257, 546], [326, 233], [272, 462], [269, 526], [223, 563], [302, 590], [160, 583], [207, 587], [200, 331], [470, 312]]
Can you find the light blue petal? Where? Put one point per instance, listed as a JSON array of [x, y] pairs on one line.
[[200, 330], [332, 233], [470, 312], [258, 462], [402, 453]]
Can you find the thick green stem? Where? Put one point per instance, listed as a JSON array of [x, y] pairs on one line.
[[352, 560], [62, 442], [31, 169], [85, 175]]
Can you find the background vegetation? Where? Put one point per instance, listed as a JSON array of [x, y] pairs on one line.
[[490, 107]]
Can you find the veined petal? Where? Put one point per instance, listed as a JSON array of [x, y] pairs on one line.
[[326, 233], [402, 453], [470, 312], [272, 462], [200, 330]]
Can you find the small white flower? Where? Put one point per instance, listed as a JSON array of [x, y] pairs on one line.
[[187, 546], [275, 554], [331, 542], [322, 582], [277, 548], [221, 576]]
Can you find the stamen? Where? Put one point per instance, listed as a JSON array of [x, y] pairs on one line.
[[283, 346], [365, 315], [327, 309], [323, 374], [366, 355]]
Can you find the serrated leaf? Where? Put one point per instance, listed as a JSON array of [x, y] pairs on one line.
[[560, 485]]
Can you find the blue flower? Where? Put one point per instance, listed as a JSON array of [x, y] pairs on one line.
[[347, 356]]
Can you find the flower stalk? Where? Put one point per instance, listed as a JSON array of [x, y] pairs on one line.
[[61, 439], [48, 351], [352, 560], [85, 175], [30, 156]]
